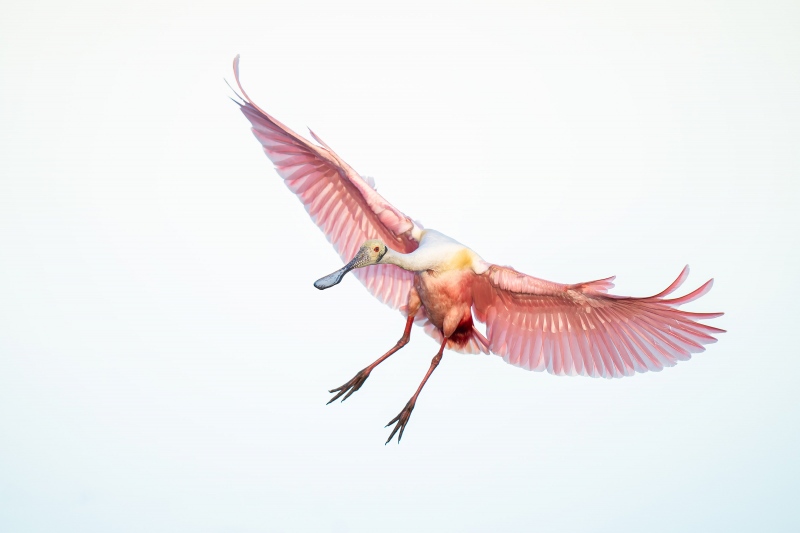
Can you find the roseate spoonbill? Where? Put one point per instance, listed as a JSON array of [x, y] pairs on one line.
[[441, 285]]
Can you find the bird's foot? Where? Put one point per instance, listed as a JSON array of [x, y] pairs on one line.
[[351, 386], [401, 420]]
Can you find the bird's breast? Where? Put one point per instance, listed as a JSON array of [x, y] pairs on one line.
[[446, 296]]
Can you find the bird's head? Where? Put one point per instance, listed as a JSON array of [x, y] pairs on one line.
[[370, 253]]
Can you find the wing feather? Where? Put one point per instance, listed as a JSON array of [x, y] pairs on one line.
[[341, 203], [580, 329]]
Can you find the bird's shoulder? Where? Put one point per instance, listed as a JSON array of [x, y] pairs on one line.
[[447, 253]]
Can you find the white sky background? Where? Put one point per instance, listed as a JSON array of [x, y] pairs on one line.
[[165, 360]]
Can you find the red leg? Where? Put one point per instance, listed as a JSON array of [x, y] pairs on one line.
[[354, 384], [405, 414]]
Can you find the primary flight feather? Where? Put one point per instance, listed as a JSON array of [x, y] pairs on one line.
[[442, 285]]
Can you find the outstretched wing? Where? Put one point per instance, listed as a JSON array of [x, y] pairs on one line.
[[346, 208], [580, 329]]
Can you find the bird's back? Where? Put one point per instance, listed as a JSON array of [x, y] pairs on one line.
[[439, 253]]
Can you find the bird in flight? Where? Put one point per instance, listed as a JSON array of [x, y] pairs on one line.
[[444, 286]]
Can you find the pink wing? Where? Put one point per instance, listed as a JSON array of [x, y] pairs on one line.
[[346, 208], [579, 329]]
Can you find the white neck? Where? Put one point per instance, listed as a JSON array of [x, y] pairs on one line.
[[405, 261]]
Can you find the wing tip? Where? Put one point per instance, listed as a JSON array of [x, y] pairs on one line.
[[675, 284], [239, 83], [702, 290], [320, 141]]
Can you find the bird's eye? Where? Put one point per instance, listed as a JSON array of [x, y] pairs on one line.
[[376, 249]]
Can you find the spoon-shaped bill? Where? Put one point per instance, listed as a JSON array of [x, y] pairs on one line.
[[332, 279]]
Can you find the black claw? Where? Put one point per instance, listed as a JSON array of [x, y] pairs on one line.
[[390, 436], [349, 388], [401, 420], [339, 390], [346, 396]]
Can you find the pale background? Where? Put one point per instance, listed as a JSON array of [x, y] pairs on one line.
[[164, 358]]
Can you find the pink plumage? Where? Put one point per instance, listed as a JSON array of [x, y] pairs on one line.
[[440, 284], [579, 329], [345, 207]]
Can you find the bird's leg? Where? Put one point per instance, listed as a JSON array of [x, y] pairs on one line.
[[354, 384], [402, 419]]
